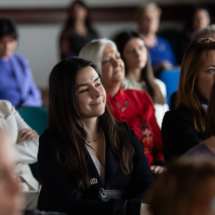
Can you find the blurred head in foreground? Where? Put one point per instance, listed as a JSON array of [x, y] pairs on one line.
[[10, 191], [186, 188]]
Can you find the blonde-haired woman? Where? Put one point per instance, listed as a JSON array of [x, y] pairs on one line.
[[148, 19], [184, 127]]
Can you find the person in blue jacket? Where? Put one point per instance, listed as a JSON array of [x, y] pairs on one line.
[[16, 81], [161, 54]]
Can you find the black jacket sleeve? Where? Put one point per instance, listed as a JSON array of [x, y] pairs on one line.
[[178, 133], [142, 180], [68, 198]]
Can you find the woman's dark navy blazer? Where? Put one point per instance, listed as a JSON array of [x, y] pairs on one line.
[[60, 191]]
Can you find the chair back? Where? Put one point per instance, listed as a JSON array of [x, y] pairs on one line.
[[171, 79]]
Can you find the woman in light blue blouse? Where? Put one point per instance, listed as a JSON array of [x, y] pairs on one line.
[[16, 81]]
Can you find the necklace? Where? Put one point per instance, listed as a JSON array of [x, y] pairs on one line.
[[95, 139]]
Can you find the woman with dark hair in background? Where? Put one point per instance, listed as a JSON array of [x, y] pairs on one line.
[[16, 81], [77, 31], [89, 163], [139, 73], [131, 106], [198, 18], [184, 127]]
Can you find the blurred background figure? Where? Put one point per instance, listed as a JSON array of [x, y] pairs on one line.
[[186, 188], [138, 70], [148, 19], [10, 190], [77, 30], [197, 19], [16, 81], [26, 142]]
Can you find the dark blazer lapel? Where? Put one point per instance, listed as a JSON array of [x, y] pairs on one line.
[[111, 163], [95, 180]]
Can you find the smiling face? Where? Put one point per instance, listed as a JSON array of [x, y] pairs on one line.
[[10, 192], [205, 78], [7, 46], [113, 70], [135, 54], [91, 95]]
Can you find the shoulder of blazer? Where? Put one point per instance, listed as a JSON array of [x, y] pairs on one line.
[[23, 61], [182, 113]]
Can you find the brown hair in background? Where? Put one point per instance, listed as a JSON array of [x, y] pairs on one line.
[[182, 188]]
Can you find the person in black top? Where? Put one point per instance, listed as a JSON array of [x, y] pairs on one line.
[[85, 152], [77, 31], [184, 127]]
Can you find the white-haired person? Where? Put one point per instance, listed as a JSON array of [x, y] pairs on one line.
[[132, 106]]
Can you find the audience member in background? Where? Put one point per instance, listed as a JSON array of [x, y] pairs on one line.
[[207, 147], [10, 191], [184, 127], [148, 18], [186, 188], [77, 30], [16, 81], [208, 32], [132, 106], [139, 73], [85, 151], [26, 142], [197, 19]]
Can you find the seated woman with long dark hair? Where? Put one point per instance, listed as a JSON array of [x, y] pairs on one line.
[[89, 163]]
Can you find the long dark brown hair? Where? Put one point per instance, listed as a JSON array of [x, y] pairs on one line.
[[65, 122], [188, 94], [147, 74]]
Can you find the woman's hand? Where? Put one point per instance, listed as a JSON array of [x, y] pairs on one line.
[[26, 134], [144, 209], [157, 169]]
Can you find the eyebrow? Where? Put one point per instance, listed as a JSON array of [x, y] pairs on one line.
[[210, 66], [82, 85]]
